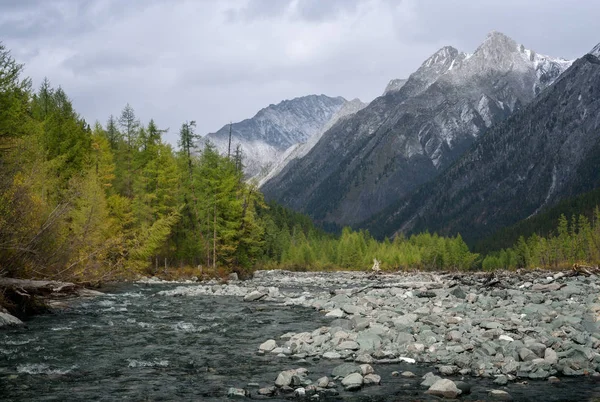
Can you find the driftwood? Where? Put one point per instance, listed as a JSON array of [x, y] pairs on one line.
[[586, 270], [23, 297]]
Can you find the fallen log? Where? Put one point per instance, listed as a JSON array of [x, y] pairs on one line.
[[586, 270], [25, 297]]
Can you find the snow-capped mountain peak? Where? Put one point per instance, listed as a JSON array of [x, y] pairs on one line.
[[596, 51]]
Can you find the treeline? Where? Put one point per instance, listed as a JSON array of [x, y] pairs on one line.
[[358, 250], [574, 241], [87, 203]]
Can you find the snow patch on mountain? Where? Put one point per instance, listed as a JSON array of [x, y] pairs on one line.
[[596, 51]]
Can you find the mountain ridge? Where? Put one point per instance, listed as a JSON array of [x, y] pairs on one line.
[[273, 129], [539, 156], [408, 136]]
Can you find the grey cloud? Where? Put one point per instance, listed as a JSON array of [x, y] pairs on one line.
[[307, 10], [215, 61], [554, 27]]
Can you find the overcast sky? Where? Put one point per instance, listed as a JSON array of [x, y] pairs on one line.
[[215, 61]]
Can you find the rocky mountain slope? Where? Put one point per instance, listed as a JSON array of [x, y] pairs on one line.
[[548, 151], [414, 131], [301, 149], [265, 137]]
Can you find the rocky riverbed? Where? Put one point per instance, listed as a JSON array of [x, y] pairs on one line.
[[509, 328]]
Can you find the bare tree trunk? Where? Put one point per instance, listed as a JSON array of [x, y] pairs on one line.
[[215, 235]]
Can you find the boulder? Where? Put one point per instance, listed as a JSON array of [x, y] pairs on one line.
[[366, 369], [368, 341], [336, 313], [364, 358], [7, 320], [550, 356], [352, 382], [331, 355], [348, 345], [448, 370], [458, 293], [372, 379], [444, 388], [323, 382], [255, 296], [285, 378], [344, 370], [268, 346], [526, 355], [429, 379]]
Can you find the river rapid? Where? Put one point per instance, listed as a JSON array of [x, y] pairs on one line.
[[136, 343]]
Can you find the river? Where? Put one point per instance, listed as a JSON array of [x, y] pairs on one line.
[[133, 344]]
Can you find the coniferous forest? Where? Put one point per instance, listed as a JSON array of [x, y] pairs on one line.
[[112, 200]]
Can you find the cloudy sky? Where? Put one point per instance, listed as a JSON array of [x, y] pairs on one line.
[[215, 61]]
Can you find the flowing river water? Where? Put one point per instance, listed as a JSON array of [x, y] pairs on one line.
[[133, 344]]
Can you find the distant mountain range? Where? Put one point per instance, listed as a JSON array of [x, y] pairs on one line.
[[265, 137], [544, 153], [413, 132], [468, 143]]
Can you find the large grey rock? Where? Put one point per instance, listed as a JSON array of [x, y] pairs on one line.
[[268, 346], [368, 341], [526, 354], [371, 379], [550, 356], [352, 382], [366, 369], [343, 370], [290, 377], [336, 313], [448, 370], [404, 338], [255, 295], [458, 292], [7, 320], [444, 388], [429, 379], [348, 345], [331, 355]]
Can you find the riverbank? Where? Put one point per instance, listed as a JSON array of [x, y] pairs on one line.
[[508, 327], [20, 298]]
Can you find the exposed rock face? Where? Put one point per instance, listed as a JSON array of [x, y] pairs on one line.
[[409, 135], [264, 137], [596, 50], [299, 150], [544, 153], [394, 85]]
